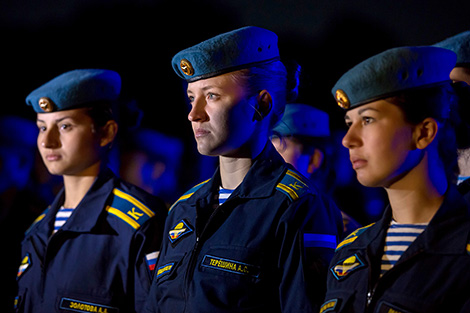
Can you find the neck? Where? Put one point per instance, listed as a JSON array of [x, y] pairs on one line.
[[417, 196], [76, 186], [464, 162], [233, 171]]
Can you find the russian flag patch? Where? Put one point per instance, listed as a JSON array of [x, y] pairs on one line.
[[151, 260]]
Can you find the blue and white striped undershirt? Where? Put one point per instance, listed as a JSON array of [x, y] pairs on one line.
[[61, 217], [224, 194], [399, 238]]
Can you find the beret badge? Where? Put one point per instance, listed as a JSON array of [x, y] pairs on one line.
[[342, 99], [187, 67], [46, 104]]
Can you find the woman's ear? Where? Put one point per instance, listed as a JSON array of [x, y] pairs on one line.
[[315, 161], [265, 102], [108, 132], [425, 132]]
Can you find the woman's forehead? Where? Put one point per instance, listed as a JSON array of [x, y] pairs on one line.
[[222, 82], [79, 114]]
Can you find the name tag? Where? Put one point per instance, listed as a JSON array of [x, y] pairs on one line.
[[231, 266], [82, 306]]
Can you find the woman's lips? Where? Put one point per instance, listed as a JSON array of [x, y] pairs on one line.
[[53, 157], [200, 132], [357, 162]]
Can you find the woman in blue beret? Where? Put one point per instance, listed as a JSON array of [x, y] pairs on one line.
[[256, 237], [94, 248], [402, 115]]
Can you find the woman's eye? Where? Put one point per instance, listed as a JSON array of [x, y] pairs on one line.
[[190, 99], [367, 120], [42, 128], [64, 126], [348, 124], [211, 96]]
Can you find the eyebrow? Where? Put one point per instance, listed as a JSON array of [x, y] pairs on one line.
[[205, 88], [57, 120], [366, 109], [361, 111]]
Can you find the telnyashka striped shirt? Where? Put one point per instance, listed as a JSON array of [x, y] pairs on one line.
[[224, 194], [399, 238], [61, 217]]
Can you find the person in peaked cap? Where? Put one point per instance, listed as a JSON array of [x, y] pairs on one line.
[[256, 237], [302, 138], [460, 44], [94, 246], [401, 114]]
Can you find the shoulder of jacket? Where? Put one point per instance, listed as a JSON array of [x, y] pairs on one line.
[[38, 219], [188, 194], [293, 185], [129, 209], [352, 237]]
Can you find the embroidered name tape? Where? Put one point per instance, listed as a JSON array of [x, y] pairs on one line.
[[230, 266], [390, 308], [346, 267], [82, 306]]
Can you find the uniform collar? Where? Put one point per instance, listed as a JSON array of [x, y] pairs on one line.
[[88, 211], [260, 181], [447, 232]]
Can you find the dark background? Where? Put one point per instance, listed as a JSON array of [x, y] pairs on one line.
[[42, 39]]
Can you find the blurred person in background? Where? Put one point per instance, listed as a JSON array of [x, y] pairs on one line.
[[303, 139]]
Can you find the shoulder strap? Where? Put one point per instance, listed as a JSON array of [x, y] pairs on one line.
[[129, 209], [188, 194], [293, 185]]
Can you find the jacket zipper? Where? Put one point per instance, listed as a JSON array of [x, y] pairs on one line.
[[371, 292], [194, 253]]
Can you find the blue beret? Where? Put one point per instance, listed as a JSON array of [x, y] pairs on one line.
[[74, 89], [391, 72], [460, 44], [228, 52], [303, 120]]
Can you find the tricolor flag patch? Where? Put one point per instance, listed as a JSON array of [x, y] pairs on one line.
[[151, 260], [25, 263]]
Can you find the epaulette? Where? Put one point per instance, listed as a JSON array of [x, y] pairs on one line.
[[187, 194], [38, 219], [352, 237], [293, 185], [129, 209]]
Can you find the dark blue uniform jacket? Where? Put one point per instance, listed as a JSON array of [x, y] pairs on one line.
[[96, 261], [431, 276], [266, 249]]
